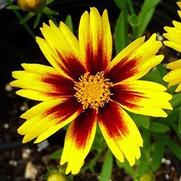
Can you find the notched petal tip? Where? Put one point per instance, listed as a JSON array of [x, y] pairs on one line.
[[23, 65], [51, 23], [19, 130], [142, 38], [22, 116], [178, 89], [178, 4], [153, 36], [19, 92], [44, 25], [165, 35], [93, 9], [166, 77], [13, 83], [105, 13], [94, 12], [86, 13], [38, 39], [26, 139], [164, 115], [37, 141], [61, 23], [166, 43], [166, 28], [13, 74]]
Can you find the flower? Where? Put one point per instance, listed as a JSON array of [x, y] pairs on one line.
[[85, 88], [31, 5], [173, 35], [56, 176]]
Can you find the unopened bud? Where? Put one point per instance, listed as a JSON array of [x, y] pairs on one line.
[[31, 5], [56, 177], [147, 177]]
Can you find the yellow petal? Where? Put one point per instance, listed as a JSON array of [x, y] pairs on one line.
[[107, 37], [174, 65], [39, 69], [50, 55]]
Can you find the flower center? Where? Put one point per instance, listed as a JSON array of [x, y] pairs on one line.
[[93, 90]]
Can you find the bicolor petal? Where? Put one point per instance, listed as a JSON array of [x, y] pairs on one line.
[[56, 115], [56, 51], [39, 82], [142, 97], [78, 141], [135, 60], [95, 40], [120, 133]]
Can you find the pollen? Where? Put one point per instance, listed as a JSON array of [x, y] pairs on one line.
[[93, 91]]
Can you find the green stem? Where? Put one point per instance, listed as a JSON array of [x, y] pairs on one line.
[[132, 11], [130, 5], [92, 163], [20, 19]]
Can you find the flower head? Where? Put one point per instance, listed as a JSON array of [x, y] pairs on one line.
[[31, 5], [173, 35], [85, 88]]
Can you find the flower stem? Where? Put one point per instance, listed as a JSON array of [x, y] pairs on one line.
[[130, 5], [24, 24], [132, 11]]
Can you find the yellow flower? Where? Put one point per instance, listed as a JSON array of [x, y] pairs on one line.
[[85, 88], [56, 177], [173, 34], [31, 5]]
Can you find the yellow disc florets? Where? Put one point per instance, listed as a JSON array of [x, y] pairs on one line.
[[93, 90]]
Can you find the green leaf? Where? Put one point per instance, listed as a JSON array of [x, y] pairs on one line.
[[121, 32], [68, 22], [174, 147], [49, 11], [162, 70], [146, 14], [37, 20], [49, 2], [56, 155], [27, 17], [176, 100], [179, 121], [126, 166], [122, 4], [159, 127], [106, 170], [143, 121], [158, 152], [133, 20], [143, 167], [13, 7], [156, 74]]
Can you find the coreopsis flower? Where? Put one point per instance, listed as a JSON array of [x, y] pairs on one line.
[[84, 87], [173, 35], [31, 5]]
